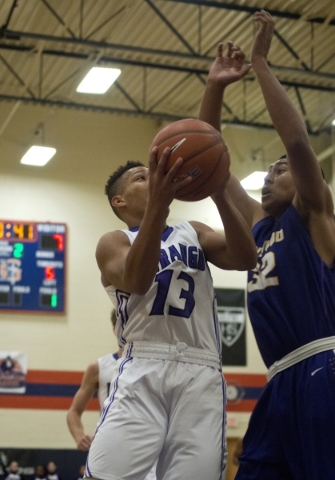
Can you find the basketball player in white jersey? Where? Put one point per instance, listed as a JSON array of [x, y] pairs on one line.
[[167, 401], [97, 378]]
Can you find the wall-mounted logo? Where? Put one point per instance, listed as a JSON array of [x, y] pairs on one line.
[[13, 369], [231, 321], [234, 392]]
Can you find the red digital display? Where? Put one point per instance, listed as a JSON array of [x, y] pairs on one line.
[[49, 273], [60, 241]]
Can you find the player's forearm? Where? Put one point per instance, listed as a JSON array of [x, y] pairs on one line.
[[286, 120], [143, 257], [75, 426], [210, 110], [240, 242]]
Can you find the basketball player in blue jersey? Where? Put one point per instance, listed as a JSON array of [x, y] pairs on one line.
[[291, 292], [167, 401]]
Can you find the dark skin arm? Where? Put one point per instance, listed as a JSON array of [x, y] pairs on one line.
[[312, 199], [227, 69], [132, 268]]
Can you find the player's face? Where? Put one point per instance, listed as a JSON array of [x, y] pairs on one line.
[[135, 190], [278, 190]]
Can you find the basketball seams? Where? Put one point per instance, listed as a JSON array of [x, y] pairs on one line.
[[202, 149], [187, 132], [198, 190]]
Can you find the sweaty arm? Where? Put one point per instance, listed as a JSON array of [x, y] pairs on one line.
[[312, 199], [132, 268], [225, 70], [88, 387], [236, 249]]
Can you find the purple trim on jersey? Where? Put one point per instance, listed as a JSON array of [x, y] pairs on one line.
[[223, 441], [217, 328], [116, 386], [87, 470], [167, 232], [122, 313]]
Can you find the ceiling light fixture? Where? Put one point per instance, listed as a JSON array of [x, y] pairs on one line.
[[255, 181], [98, 80], [38, 155]]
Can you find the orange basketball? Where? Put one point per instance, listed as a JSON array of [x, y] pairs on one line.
[[205, 154]]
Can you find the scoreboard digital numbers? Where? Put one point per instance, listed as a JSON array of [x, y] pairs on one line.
[[32, 266]]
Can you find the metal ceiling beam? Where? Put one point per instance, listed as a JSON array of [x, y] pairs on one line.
[[170, 26], [16, 75], [16, 35], [59, 18], [252, 10], [103, 109], [14, 5], [177, 68]]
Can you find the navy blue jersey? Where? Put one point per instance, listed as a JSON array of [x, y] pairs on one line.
[[291, 292]]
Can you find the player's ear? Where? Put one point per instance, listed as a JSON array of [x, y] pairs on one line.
[[117, 201]]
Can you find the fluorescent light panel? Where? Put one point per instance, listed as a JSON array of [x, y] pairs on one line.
[[333, 122], [38, 156], [255, 181], [98, 80]]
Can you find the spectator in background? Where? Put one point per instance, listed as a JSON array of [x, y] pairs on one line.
[[52, 473], [40, 473], [13, 471]]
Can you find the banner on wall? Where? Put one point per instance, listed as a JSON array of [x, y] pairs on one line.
[[13, 371], [232, 320]]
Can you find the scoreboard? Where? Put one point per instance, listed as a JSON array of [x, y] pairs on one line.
[[32, 266]]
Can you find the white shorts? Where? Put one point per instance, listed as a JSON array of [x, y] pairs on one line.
[[166, 409]]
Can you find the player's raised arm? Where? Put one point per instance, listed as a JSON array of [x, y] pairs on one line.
[[236, 249], [225, 70], [143, 202], [312, 198], [80, 401], [288, 123]]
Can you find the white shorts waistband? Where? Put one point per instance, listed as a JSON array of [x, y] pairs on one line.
[[301, 353], [180, 352]]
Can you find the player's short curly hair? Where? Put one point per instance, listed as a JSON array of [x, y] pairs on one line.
[[113, 186]]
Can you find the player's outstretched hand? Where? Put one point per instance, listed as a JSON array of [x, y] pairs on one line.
[[85, 443], [263, 38], [229, 68], [163, 184]]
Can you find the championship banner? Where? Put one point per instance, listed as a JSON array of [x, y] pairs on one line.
[[232, 320], [13, 371]]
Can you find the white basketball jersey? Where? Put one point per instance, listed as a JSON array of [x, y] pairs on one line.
[[106, 366], [180, 304]]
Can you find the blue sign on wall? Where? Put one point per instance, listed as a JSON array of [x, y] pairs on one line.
[[32, 266]]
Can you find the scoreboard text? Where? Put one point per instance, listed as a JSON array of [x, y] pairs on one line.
[[32, 266]]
